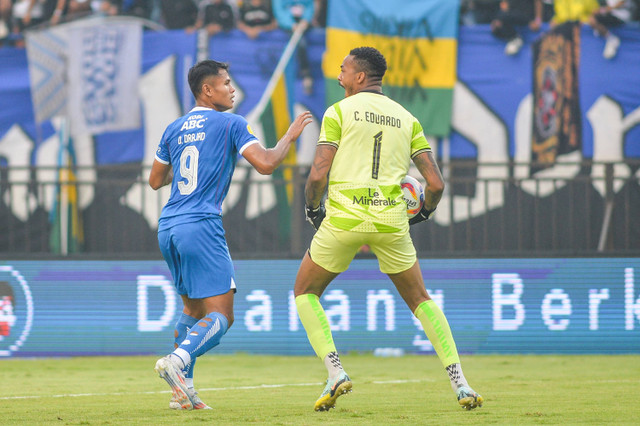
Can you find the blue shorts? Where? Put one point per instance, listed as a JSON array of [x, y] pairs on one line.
[[198, 258]]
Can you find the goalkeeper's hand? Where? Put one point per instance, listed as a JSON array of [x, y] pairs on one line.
[[315, 216], [423, 214]]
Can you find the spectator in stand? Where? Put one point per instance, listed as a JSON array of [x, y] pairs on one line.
[[178, 14], [27, 13], [106, 7], [514, 13], [547, 10], [474, 12], [290, 14], [256, 17], [138, 8], [320, 15], [70, 9], [216, 16], [614, 14], [5, 18], [573, 10]]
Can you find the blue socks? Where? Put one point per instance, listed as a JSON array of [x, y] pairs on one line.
[[204, 335], [184, 324]]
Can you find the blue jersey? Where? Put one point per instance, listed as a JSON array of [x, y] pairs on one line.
[[203, 147]]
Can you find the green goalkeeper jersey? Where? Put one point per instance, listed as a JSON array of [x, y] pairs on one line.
[[376, 139]]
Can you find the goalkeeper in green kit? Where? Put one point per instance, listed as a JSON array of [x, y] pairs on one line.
[[366, 144]]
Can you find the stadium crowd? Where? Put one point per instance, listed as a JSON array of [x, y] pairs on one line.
[[250, 16], [507, 18]]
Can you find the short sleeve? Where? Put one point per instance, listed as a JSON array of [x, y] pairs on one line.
[[241, 134], [419, 143], [331, 127], [163, 155]]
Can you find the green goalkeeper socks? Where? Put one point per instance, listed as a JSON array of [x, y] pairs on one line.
[[316, 324], [438, 332]]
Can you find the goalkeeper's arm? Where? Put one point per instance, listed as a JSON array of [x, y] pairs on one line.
[[428, 168], [317, 183]]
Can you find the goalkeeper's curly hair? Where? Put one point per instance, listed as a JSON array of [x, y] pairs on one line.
[[371, 61]]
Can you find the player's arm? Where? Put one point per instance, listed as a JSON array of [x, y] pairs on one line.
[[317, 184], [266, 160], [428, 168], [319, 175], [160, 175]]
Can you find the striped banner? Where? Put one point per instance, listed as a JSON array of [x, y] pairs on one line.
[[418, 39], [276, 119], [103, 71], [47, 55], [87, 70], [274, 113]]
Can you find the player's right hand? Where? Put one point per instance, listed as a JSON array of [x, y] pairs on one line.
[[315, 216]]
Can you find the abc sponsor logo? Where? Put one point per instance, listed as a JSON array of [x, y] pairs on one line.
[[16, 310]]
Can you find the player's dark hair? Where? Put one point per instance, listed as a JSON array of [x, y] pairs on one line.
[[370, 60], [202, 70]]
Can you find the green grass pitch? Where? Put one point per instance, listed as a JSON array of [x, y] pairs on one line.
[[279, 390]]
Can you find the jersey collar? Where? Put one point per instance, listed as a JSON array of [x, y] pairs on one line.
[[201, 108]]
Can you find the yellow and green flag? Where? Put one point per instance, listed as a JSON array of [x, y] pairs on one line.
[[67, 235], [275, 113], [419, 40], [277, 116]]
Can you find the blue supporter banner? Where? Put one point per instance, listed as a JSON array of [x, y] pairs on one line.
[[584, 306], [500, 85]]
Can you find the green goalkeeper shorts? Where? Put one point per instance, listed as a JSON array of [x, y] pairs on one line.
[[333, 249]]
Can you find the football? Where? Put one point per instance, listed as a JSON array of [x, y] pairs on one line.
[[413, 195]]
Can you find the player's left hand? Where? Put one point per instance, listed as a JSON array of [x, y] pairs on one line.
[[315, 216], [423, 214]]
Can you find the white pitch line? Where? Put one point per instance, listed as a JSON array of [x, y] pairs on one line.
[[75, 395], [393, 382]]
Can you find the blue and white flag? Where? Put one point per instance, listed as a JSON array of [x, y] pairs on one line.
[[88, 71], [46, 54], [103, 72]]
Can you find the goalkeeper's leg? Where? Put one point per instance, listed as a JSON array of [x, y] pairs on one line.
[[310, 283], [411, 287]]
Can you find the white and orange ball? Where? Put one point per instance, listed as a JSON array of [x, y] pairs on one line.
[[413, 195]]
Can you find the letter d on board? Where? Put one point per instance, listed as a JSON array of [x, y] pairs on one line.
[[160, 281]]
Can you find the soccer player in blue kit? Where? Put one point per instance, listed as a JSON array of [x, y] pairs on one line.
[[201, 149]]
